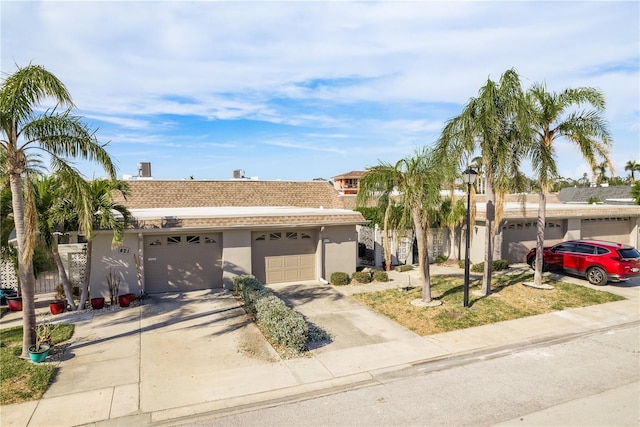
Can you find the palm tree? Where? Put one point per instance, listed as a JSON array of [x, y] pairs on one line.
[[452, 215], [106, 214], [49, 194], [57, 135], [632, 166], [496, 124], [378, 183], [600, 171], [635, 192], [420, 180], [555, 117]]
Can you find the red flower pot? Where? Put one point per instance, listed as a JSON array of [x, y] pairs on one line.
[[125, 300], [57, 307], [14, 303], [97, 303]]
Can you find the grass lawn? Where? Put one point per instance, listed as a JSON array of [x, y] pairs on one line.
[[510, 300], [21, 380]]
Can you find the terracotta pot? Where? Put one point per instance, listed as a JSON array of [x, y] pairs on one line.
[[57, 306], [97, 303], [14, 303]]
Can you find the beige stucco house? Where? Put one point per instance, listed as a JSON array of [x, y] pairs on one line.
[[190, 235]]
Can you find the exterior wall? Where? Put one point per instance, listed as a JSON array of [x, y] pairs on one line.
[[476, 251], [573, 229], [340, 252], [634, 240], [236, 255], [119, 260]]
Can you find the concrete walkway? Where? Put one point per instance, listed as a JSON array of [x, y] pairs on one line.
[[180, 355]]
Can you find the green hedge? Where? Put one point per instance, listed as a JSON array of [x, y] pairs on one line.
[[380, 276], [340, 279], [361, 277], [441, 258], [402, 268]]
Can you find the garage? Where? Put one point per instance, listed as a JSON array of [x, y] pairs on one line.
[[518, 237], [182, 262], [284, 255], [612, 229]]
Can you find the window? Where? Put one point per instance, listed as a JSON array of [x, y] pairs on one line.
[[601, 251], [292, 235], [193, 240], [275, 236], [305, 236], [261, 237], [584, 249], [174, 240], [208, 240], [564, 247], [156, 242]]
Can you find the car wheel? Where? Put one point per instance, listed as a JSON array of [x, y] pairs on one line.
[[533, 264], [597, 276]]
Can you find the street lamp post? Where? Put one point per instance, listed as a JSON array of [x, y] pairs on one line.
[[469, 178]]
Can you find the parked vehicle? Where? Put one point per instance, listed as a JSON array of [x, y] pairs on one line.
[[597, 260]]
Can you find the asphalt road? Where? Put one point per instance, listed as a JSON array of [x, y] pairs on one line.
[[592, 380]]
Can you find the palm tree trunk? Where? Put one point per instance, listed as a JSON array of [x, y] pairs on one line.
[[27, 280], [62, 274], [423, 257], [540, 224], [386, 245], [488, 240], [84, 297], [452, 245]]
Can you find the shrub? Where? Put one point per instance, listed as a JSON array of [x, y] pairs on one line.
[[478, 268], [361, 277], [441, 258], [500, 264], [380, 276], [460, 263], [402, 268], [339, 278], [281, 324], [245, 280]]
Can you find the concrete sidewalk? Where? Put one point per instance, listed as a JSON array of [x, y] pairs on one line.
[[180, 355]]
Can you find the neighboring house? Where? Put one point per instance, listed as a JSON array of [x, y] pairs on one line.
[[348, 183], [191, 235], [517, 231], [618, 195]]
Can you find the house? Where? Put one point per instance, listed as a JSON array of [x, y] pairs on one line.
[[190, 235], [517, 231], [348, 183]]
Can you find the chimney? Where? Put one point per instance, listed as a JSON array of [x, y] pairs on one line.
[[144, 170]]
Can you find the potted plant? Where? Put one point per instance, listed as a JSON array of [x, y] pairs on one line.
[[39, 352], [57, 306], [14, 303]]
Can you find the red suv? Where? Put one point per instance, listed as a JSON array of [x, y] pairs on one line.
[[597, 260]]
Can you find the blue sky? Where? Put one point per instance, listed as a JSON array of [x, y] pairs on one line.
[[303, 90]]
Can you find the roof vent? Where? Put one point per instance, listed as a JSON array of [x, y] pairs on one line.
[[238, 174]]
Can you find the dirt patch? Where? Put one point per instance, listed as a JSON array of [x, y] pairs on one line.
[[253, 344]]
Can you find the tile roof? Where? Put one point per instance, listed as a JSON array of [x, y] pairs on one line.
[[195, 193], [615, 194], [352, 174], [235, 203]]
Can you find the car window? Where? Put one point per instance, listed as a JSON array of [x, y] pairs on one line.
[[629, 253], [601, 251], [564, 247], [582, 248]]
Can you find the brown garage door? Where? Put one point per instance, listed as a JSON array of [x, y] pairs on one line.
[[612, 229], [520, 236], [284, 256], [182, 262]]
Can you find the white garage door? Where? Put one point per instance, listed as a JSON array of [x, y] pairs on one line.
[[612, 229], [519, 237], [182, 262], [284, 256]]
